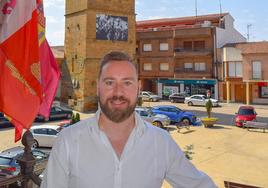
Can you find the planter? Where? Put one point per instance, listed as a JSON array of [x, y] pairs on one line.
[[209, 122]]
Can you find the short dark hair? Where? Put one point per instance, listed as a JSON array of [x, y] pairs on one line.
[[115, 56]]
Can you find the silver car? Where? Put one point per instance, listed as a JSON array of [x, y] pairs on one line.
[[159, 120], [199, 100], [149, 96], [44, 135]]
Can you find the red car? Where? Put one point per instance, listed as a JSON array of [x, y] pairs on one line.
[[245, 113]]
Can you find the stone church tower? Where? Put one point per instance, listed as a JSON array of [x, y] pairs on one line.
[[93, 28]]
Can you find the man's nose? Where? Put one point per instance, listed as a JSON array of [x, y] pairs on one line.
[[118, 89]]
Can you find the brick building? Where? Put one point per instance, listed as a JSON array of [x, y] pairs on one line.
[[180, 54], [93, 28], [245, 78]]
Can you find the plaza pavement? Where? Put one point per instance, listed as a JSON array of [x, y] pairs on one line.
[[224, 152]]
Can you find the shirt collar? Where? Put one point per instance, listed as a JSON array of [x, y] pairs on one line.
[[139, 124]]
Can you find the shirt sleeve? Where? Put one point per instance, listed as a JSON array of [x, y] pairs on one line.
[[181, 173], [56, 173]]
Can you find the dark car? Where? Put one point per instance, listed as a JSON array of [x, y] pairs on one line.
[[175, 114], [4, 122], [245, 113], [56, 113], [9, 159], [178, 97]]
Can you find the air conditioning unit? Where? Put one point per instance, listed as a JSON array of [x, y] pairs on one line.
[[206, 23]]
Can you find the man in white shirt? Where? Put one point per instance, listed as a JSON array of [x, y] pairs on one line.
[[116, 148]]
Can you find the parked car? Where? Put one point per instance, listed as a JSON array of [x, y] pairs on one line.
[[245, 113], [44, 135], [56, 112], [4, 122], [175, 114], [9, 159], [200, 100], [149, 96], [65, 124], [178, 97], [159, 120]]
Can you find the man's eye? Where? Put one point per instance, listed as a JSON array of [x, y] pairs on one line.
[[128, 83], [108, 83]]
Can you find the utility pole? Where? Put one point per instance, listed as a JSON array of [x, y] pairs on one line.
[[248, 27], [196, 11], [220, 7]]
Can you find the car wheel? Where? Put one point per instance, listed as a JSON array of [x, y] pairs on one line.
[[158, 124], [190, 103], [35, 144], [186, 122], [172, 100], [151, 100]]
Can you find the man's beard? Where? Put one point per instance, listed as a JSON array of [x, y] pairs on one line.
[[117, 115]]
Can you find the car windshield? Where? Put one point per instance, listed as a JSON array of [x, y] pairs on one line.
[[150, 93], [150, 112], [246, 111], [4, 161]]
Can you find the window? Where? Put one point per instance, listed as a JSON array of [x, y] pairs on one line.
[[200, 66], [188, 65], [143, 113], [164, 66], [163, 46], [58, 109], [256, 70], [147, 47], [52, 132], [264, 92], [199, 45], [235, 69], [40, 131], [147, 66], [187, 45]]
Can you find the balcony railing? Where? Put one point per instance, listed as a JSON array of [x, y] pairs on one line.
[[29, 170], [256, 75], [192, 71], [194, 52]]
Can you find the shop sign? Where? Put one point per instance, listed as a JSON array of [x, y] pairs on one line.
[[207, 82]]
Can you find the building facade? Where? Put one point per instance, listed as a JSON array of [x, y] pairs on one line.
[[180, 54], [245, 78], [92, 29]]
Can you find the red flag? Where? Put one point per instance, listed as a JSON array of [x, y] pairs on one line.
[[20, 88], [50, 73], [50, 78]]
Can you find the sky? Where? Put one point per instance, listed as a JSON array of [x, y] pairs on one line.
[[245, 12]]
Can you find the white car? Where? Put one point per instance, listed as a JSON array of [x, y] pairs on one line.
[[199, 100], [159, 120], [44, 135]]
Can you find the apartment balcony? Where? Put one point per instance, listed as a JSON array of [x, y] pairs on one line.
[[191, 73], [255, 75], [179, 52]]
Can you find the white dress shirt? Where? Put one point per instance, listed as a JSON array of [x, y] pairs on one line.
[[83, 157]]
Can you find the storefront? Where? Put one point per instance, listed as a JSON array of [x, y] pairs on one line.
[[192, 87]]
